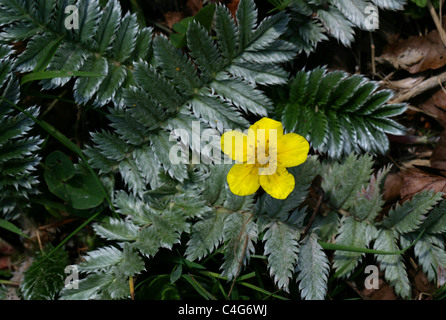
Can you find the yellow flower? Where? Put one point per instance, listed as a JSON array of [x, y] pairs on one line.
[[262, 157]]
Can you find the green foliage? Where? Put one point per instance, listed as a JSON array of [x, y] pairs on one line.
[[313, 269], [106, 43], [204, 17], [18, 147], [72, 183], [45, 277], [343, 113], [360, 228], [157, 96], [314, 21]]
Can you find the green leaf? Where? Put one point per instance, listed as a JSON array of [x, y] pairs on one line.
[[351, 233], [408, 216], [431, 255], [73, 184], [340, 113], [265, 74], [60, 165], [53, 74], [86, 86], [38, 54], [101, 259], [435, 223], [125, 40], [11, 227], [116, 229], [203, 50], [268, 31], [204, 17], [281, 247], [336, 25], [132, 176], [108, 23], [369, 201], [88, 16], [354, 10], [132, 262], [242, 95], [206, 235], [239, 234], [395, 270], [342, 181], [149, 167], [390, 4], [111, 83], [246, 15], [313, 268], [226, 31], [217, 113], [161, 146], [176, 66], [215, 185]]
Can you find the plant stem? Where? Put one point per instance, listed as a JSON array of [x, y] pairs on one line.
[[437, 21]]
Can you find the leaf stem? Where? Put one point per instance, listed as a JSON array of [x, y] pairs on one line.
[[334, 246]]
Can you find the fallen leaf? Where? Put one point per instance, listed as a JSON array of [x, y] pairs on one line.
[[416, 162], [385, 292], [5, 262], [435, 106], [441, 276], [438, 158], [194, 6], [5, 248], [416, 53], [173, 17], [416, 180], [232, 6], [421, 286], [392, 187]]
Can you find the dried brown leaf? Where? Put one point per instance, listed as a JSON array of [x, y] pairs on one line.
[[194, 6], [173, 17], [392, 187], [435, 106], [438, 158], [416, 180], [416, 53]]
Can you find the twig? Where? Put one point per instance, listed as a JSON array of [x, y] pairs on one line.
[[441, 86], [313, 216], [372, 51], [39, 241], [58, 223], [159, 26], [423, 86], [437, 22]]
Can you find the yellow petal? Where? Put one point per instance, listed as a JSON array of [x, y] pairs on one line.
[[292, 150], [278, 185], [243, 179], [265, 124], [234, 144]]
